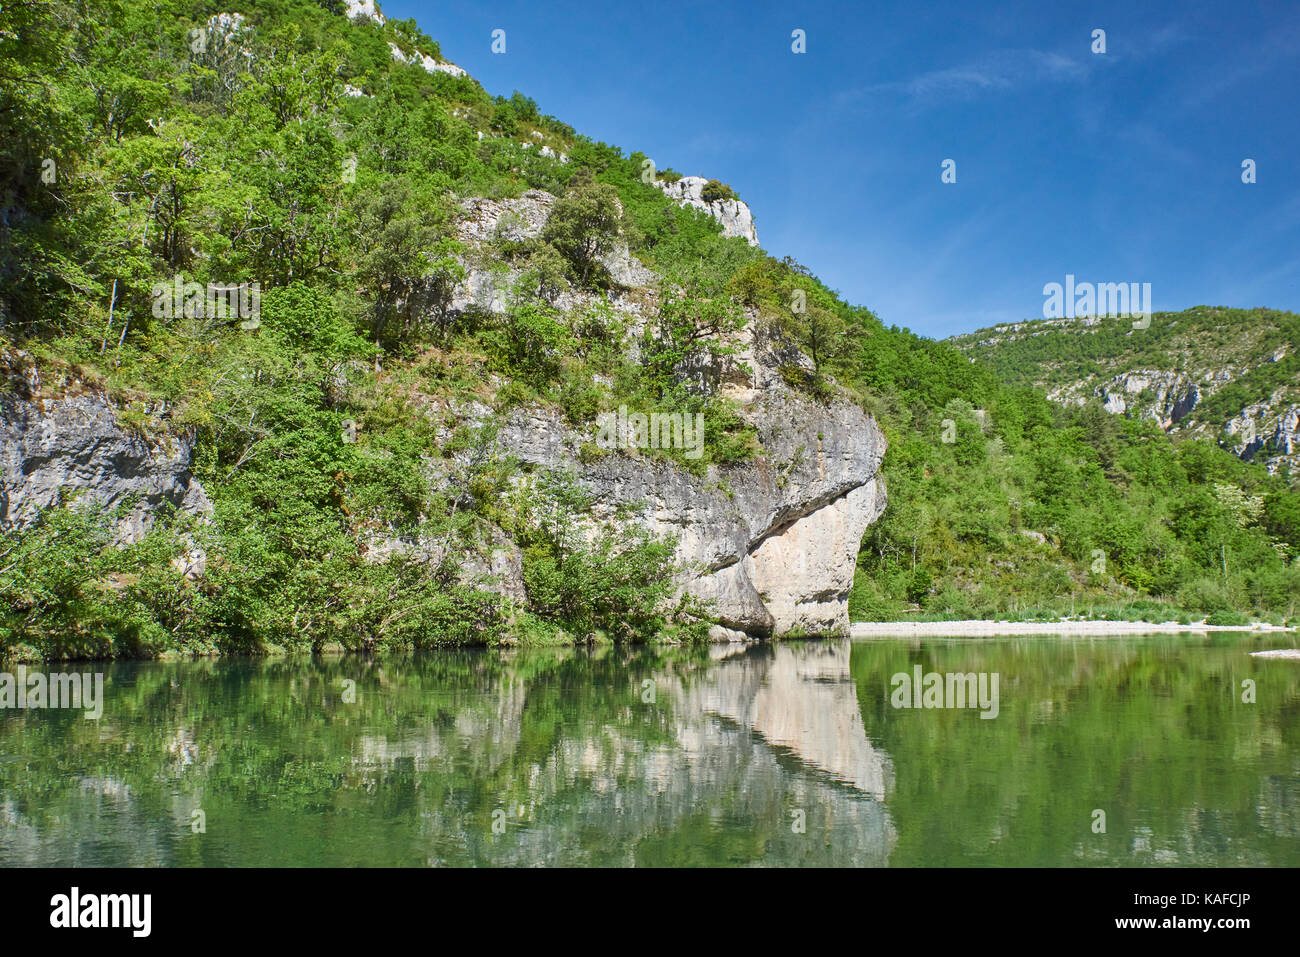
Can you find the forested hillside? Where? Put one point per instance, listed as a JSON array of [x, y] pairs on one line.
[[149, 143], [1226, 375]]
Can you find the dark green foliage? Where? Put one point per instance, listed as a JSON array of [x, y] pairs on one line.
[[583, 227], [1282, 517], [67, 592], [614, 578], [716, 192], [1261, 343]]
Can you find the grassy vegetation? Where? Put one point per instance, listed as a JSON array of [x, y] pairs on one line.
[[1039, 352], [221, 167]]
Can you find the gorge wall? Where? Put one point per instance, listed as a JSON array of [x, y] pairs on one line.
[[770, 543]]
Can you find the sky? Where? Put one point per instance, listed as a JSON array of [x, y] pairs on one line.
[[1122, 166]]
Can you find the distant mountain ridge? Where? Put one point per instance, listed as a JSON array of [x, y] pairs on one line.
[[1210, 372]]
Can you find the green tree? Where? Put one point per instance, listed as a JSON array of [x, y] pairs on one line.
[[583, 226], [391, 237]]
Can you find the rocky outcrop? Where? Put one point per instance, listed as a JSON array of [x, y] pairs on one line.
[[803, 571], [488, 281], [423, 59], [733, 214], [771, 544], [224, 27], [368, 10], [60, 437], [364, 9], [1267, 431], [1199, 358], [1163, 396], [1271, 425]]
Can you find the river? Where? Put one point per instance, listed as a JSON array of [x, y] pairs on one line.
[[1111, 751]]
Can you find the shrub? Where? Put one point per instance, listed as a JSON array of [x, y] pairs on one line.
[[598, 575], [716, 192], [1227, 618], [1205, 595], [919, 584]]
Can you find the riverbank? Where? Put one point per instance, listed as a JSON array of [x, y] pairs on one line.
[[975, 628]]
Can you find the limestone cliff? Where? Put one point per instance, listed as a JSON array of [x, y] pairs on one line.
[[1213, 373], [60, 435], [772, 543], [733, 214]]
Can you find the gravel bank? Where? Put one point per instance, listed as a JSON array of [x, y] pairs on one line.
[[979, 628]]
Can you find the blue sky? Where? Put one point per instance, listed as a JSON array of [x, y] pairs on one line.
[[1116, 167]]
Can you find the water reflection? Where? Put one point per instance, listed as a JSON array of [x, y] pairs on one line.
[[778, 754], [800, 697], [1187, 745], [720, 756]]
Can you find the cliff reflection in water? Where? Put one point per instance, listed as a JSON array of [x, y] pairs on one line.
[[708, 762]]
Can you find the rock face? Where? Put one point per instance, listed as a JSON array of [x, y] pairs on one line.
[[773, 547], [486, 286], [1165, 397], [803, 572], [772, 544], [62, 436], [733, 214], [1268, 430], [423, 59], [1271, 424], [364, 9]]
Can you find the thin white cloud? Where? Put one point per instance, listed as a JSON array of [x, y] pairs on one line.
[[996, 71]]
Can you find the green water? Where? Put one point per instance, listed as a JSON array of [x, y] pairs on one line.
[[773, 755]]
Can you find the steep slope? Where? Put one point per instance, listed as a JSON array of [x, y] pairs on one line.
[[60, 435], [408, 440], [769, 544], [478, 381]]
